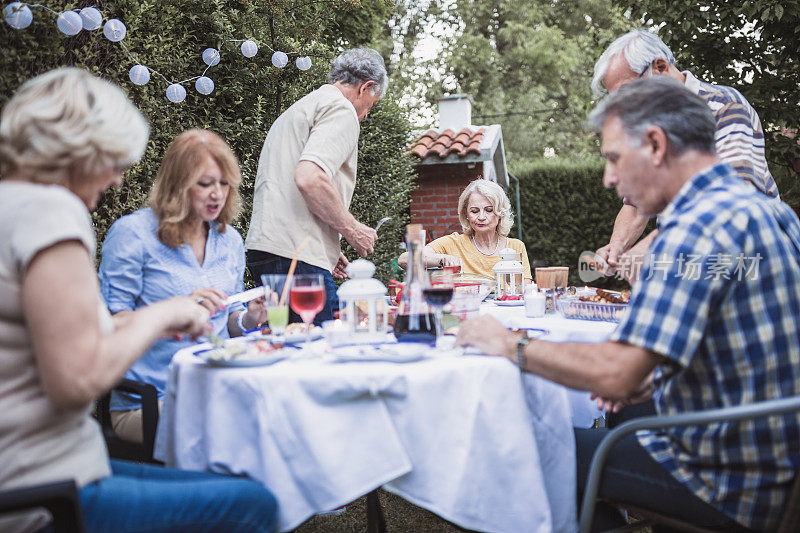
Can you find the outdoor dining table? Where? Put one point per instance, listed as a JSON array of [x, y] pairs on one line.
[[467, 437]]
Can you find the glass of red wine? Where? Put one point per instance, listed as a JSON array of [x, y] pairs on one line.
[[307, 298], [438, 292]]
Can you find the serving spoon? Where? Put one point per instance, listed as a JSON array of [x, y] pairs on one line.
[[381, 221]]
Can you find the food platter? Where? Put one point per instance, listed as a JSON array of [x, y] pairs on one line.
[[607, 306], [243, 352]]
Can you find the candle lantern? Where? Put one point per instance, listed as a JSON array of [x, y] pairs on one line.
[[362, 303], [508, 272]]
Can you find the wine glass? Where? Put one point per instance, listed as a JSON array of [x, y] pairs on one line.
[[307, 298], [438, 292], [277, 315]]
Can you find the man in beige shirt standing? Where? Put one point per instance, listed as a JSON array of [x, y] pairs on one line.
[[307, 173]]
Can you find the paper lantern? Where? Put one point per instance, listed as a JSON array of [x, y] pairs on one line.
[[139, 74], [303, 63], [69, 23], [114, 30], [211, 56], [204, 85], [92, 18], [18, 15], [279, 59], [249, 48], [176, 93]]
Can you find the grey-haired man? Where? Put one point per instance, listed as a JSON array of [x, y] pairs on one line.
[[307, 173], [739, 137]]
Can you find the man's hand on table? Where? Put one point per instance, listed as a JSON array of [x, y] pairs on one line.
[[489, 335]]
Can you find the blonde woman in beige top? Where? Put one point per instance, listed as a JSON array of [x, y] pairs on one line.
[[65, 137], [485, 215]]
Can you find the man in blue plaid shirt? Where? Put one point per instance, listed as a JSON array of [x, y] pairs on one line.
[[713, 322]]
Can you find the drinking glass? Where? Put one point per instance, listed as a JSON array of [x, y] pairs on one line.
[[307, 298], [277, 315], [438, 291]]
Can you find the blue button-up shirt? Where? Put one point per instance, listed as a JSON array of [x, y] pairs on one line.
[[138, 270], [719, 297]]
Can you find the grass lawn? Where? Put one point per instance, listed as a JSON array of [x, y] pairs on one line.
[[399, 514]]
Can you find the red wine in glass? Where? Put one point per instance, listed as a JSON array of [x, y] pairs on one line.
[[438, 295]]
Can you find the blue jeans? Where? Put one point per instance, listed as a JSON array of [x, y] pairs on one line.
[[147, 498], [631, 475], [260, 263]]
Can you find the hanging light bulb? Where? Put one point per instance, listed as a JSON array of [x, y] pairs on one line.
[[69, 23], [279, 59], [18, 15], [204, 85], [249, 48], [92, 18], [139, 74], [114, 30], [303, 63], [211, 56], [176, 93]]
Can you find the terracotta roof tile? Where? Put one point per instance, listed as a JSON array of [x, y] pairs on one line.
[[442, 144]]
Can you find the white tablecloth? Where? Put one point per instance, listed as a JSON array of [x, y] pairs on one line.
[[583, 410], [466, 437]]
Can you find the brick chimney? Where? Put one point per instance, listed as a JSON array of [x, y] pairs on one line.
[[455, 112]]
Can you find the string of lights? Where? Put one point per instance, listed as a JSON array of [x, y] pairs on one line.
[[19, 16]]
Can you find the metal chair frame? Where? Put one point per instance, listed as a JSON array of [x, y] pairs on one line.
[[754, 410]]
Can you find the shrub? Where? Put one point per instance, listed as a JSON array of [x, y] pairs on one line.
[[170, 37], [565, 210]]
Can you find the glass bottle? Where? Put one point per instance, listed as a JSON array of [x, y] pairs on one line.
[[414, 322]]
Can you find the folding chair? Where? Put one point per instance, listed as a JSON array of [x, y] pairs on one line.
[[59, 498], [790, 521]]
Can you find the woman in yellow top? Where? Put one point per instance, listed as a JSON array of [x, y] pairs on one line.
[[485, 214]]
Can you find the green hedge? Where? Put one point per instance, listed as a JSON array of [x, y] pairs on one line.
[[565, 210], [250, 93]]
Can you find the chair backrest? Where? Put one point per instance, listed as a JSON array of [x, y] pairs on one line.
[[121, 449], [59, 498]]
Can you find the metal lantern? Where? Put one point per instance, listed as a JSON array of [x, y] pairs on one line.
[[508, 272], [362, 304]]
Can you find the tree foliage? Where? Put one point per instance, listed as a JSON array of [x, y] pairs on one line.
[[527, 65], [169, 37], [753, 45]]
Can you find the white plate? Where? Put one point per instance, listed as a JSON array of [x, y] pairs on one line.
[[509, 303], [267, 359], [297, 338], [388, 353]]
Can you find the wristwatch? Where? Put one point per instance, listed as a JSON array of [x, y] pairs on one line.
[[521, 344]]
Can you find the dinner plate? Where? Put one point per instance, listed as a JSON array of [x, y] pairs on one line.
[[297, 338], [240, 362], [509, 303], [387, 353], [257, 359]]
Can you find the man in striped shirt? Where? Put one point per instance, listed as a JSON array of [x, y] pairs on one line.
[[739, 138]]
